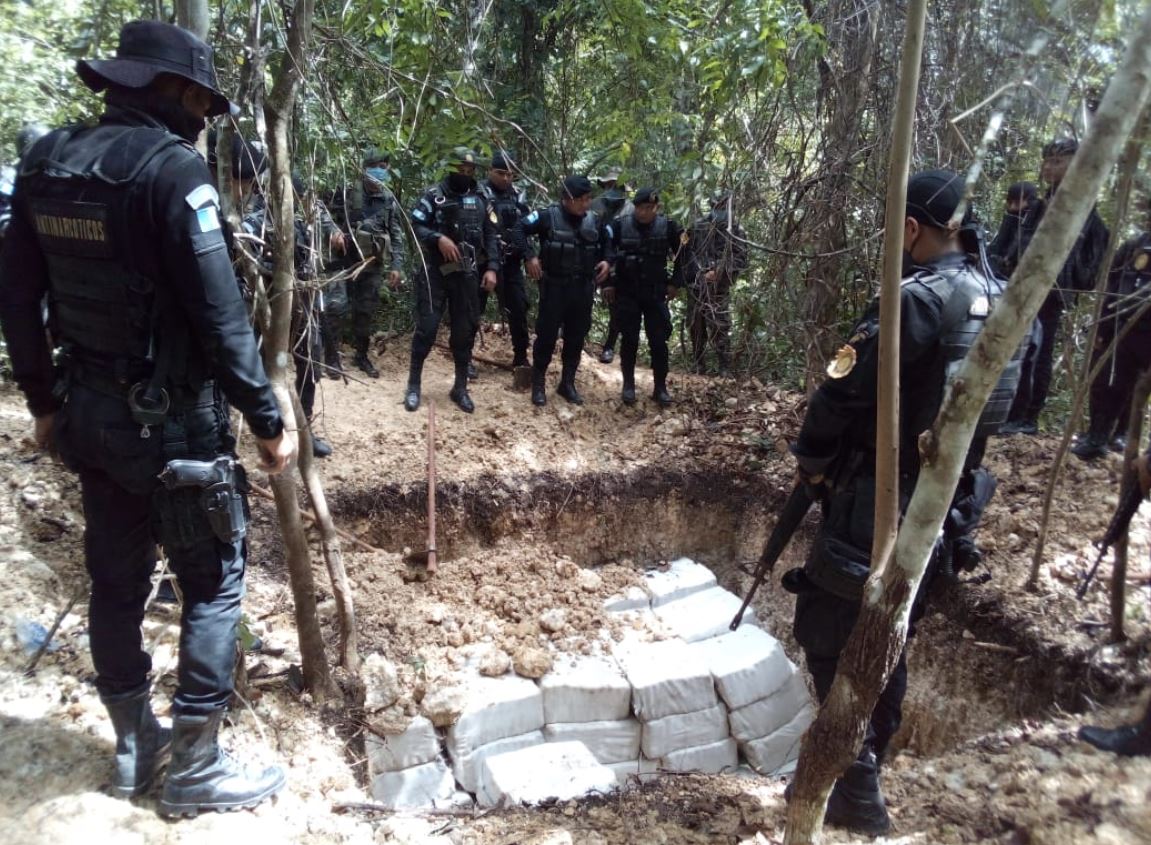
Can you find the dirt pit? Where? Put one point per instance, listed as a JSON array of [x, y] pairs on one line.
[[1001, 677]]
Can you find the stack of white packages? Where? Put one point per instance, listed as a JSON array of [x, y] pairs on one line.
[[684, 724], [406, 770], [770, 706]]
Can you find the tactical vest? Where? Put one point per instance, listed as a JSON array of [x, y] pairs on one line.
[[79, 185], [642, 255], [968, 302], [459, 216], [568, 253], [506, 205]]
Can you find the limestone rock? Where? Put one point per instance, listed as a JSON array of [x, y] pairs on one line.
[[443, 705], [532, 662], [495, 663]]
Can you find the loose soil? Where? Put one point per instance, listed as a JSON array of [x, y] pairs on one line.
[[543, 513]]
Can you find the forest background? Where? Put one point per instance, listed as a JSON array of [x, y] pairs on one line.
[[786, 102]]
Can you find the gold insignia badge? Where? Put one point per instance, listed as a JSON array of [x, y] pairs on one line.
[[1140, 261], [492, 217], [683, 238], [843, 362]]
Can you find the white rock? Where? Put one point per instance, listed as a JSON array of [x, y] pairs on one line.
[[748, 664], [703, 614], [667, 677], [766, 716], [609, 742], [467, 768], [641, 770], [419, 786], [712, 758], [553, 620], [585, 689], [444, 704], [495, 708], [559, 770], [633, 598], [415, 746], [682, 578], [771, 753], [381, 684], [684, 730]]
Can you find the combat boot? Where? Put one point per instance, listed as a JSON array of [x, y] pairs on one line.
[[363, 362], [1125, 740], [202, 777], [141, 744], [412, 394], [521, 360], [567, 388], [627, 395], [473, 373], [660, 394], [539, 388], [459, 391], [607, 355], [1090, 447], [321, 448], [856, 802]]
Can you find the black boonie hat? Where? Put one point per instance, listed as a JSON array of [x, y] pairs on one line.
[[933, 196], [149, 48], [645, 195]]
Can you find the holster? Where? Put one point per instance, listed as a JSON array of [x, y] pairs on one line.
[[837, 567], [190, 515]]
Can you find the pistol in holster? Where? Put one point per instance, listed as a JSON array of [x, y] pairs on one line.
[[218, 488]]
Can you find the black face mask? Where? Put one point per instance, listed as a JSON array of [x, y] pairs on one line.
[[168, 111], [459, 182], [908, 265]]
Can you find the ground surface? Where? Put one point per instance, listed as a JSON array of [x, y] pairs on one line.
[[989, 749]]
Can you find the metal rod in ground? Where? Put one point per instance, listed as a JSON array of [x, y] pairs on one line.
[[83, 588], [431, 487]]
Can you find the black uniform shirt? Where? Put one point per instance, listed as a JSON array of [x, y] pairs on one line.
[[675, 249], [540, 224], [428, 225]]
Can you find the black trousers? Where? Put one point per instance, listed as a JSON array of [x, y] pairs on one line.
[[566, 305], [613, 326], [123, 506], [709, 320], [512, 295], [363, 299], [1112, 389], [436, 294], [1035, 375], [650, 309]]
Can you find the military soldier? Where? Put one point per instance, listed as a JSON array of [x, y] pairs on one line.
[[944, 300], [118, 226], [575, 257], [610, 204], [716, 254], [1078, 274], [510, 205], [1128, 288], [456, 227], [644, 241]]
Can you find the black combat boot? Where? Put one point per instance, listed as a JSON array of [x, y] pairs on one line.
[[607, 355], [1091, 447], [412, 394], [660, 394], [141, 744], [329, 334], [321, 448], [363, 362], [459, 391], [856, 802], [202, 777], [473, 373], [539, 388], [521, 359], [627, 395], [1125, 740], [567, 388]]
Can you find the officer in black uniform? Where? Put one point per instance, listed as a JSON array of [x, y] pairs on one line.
[[575, 256], [510, 205], [118, 226], [1128, 289], [610, 204], [456, 227], [644, 241], [1078, 273], [716, 255], [945, 296]]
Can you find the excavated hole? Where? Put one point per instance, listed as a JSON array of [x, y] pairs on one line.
[[973, 668]]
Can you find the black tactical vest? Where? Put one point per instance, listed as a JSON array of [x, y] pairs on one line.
[[79, 185], [642, 255], [460, 216], [506, 205], [568, 253]]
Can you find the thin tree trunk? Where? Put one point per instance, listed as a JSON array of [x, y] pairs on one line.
[[192, 15], [881, 632], [831, 743], [1130, 452]]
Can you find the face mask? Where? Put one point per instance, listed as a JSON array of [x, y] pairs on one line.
[[908, 265], [459, 182]]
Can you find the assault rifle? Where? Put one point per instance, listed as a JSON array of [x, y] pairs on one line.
[[1120, 521], [794, 510]]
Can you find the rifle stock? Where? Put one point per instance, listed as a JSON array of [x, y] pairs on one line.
[[794, 510], [1121, 520]]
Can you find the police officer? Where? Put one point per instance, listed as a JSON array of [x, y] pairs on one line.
[[1078, 273], [716, 254], [610, 204], [945, 295], [118, 225], [1128, 289], [456, 228], [575, 257], [644, 241], [376, 223], [1005, 247], [510, 205]]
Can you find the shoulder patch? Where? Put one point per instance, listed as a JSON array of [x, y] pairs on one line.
[[843, 362], [1141, 261], [420, 214], [684, 237], [207, 218], [492, 216], [202, 196], [533, 217]]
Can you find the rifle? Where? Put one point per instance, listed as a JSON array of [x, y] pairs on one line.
[[1120, 521], [794, 510]]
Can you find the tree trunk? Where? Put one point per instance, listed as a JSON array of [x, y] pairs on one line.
[[880, 633], [192, 15], [825, 752], [1130, 453]]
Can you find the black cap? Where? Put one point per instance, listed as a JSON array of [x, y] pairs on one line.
[[376, 155], [149, 48], [645, 195], [1061, 147], [575, 187], [247, 161], [503, 161], [1021, 191], [933, 196]]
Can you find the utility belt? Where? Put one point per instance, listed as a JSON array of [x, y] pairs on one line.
[[145, 411], [837, 567]]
